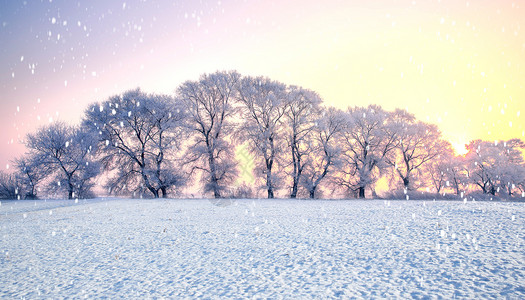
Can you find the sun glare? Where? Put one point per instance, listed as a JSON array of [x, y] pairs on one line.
[[460, 148]]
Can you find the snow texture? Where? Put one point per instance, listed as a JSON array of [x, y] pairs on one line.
[[264, 248]]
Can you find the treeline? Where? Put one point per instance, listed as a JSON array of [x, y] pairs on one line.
[[149, 145]]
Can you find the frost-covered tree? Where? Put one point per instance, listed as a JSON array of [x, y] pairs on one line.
[[512, 167], [139, 136], [301, 108], [456, 174], [9, 186], [30, 173], [520, 182], [209, 104], [66, 151], [439, 170], [262, 110], [496, 166], [325, 148], [481, 160], [368, 139], [416, 144]]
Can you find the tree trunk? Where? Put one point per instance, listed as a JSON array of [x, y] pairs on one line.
[[318, 180], [154, 192], [269, 164], [269, 184], [216, 193], [483, 188], [270, 193], [361, 192], [70, 188], [293, 195], [406, 182], [215, 184], [164, 192], [213, 173], [148, 185], [312, 192], [492, 191], [32, 194]]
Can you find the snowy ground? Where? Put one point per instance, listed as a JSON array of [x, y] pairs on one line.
[[280, 248]]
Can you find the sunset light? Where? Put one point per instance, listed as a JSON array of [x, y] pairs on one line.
[[460, 149], [459, 65]]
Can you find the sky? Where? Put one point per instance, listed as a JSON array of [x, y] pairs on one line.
[[457, 64]]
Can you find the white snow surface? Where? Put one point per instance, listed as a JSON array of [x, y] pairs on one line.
[[122, 248]]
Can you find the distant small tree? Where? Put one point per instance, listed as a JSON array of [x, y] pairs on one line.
[[439, 170], [512, 167], [456, 172], [481, 165], [496, 166], [139, 136], [9, 186], [209, 105], [31, 171], [66, 151], [242, 191], [520, 183]]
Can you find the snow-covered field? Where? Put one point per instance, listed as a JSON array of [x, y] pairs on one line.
[[264, 248]]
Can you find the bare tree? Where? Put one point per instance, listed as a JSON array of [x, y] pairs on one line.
[[262, 110], [66, 151], [301, 107], [9, 186], [439, 170], [367, 141], [139, 135], [457, 174], [417, 143], [208, 103], [496, 166], [447, 171], [512, 167], [31, 172], [481, 165], [326, 150], [520, 182]]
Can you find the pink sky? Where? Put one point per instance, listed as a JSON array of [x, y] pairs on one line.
[[456, 64]]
